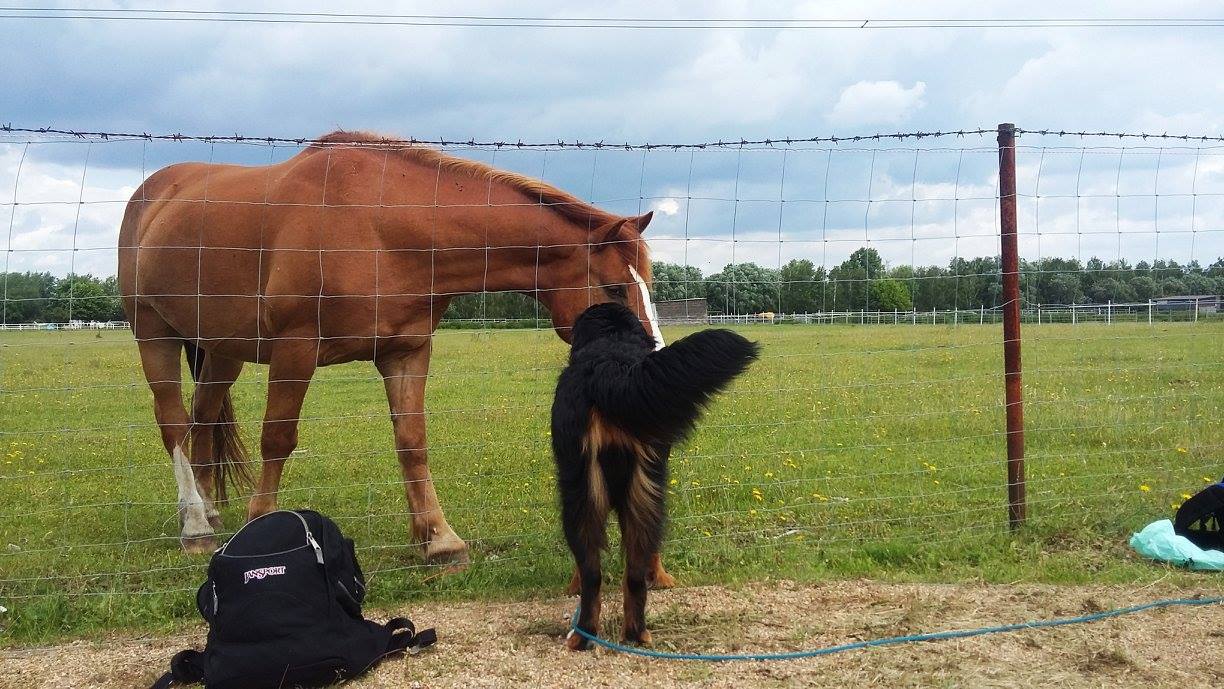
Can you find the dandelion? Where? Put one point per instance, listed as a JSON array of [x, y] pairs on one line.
[[1182, 450], [1145, 488], [1185, 496]]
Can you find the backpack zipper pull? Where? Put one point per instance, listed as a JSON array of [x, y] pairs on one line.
[[317, 548]]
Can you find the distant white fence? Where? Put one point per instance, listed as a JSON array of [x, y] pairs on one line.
[[70, 325], [1138, 312]]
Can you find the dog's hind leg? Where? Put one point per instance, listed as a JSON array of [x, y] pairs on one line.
[[641, 542], [590, 578], [584, 523]]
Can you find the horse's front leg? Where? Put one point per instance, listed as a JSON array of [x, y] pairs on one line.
[[404, 375], [291, 365]]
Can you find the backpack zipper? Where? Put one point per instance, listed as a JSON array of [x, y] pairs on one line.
[[310, 539], [314, 544]]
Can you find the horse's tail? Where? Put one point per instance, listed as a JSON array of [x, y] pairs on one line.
[[660, 398], [230, 452]]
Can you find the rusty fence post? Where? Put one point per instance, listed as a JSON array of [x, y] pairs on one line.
[[1014, 393]]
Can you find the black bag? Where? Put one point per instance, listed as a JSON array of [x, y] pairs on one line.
[[283, 605], [1201, 518]]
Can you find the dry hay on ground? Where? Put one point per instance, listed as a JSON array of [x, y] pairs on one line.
[[483, 644]]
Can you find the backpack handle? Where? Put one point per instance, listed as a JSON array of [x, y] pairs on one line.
[[404, 636], [184, 669]]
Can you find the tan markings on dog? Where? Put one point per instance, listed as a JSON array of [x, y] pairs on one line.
[[644, 496], [594, 441]]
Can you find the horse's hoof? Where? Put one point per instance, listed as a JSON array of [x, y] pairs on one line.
[[577, 642], [662, 580], [199, 545], [454, 558]]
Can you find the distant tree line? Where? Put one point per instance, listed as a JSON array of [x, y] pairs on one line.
[[45, 298], [862, 281]]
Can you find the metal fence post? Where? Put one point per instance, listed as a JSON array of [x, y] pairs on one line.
[[1014, 393]]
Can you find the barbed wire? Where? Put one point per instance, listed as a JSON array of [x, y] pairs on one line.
[[478, 143], [1121, 135], [394, 142]]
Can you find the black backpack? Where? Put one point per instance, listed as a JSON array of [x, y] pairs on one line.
[[283, 605], [1201, 518]]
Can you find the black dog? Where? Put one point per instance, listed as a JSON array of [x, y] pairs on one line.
[[618, 409]]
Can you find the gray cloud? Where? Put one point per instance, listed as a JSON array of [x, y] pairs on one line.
[[666, 86]]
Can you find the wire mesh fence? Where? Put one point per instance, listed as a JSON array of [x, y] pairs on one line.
[[845, 451]]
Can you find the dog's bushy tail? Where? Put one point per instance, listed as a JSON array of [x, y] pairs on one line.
[[661, 397]]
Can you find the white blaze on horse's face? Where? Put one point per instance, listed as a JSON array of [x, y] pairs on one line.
[[648, 307]]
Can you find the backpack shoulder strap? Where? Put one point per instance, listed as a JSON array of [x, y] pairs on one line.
[[184, 669], [404, 636]]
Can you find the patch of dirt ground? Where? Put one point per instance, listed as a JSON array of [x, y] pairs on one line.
[[484, 644]]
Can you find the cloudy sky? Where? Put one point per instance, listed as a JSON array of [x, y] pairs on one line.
[[919, 203]]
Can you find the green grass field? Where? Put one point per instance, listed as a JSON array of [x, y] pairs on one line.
[[847, 451]]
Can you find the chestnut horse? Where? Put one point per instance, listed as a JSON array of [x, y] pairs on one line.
[[350, 250]]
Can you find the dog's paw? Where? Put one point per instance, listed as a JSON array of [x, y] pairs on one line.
[[642, 638], [577, 642]]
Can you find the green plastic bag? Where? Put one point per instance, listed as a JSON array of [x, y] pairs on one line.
[[1158, 541]]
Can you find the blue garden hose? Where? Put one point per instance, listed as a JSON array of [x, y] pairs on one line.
[[892, 640]]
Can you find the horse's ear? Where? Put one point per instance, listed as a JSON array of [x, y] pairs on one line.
[[642, 221], [609, 233]]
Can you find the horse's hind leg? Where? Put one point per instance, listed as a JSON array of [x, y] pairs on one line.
[[161, 353], [216, 377]]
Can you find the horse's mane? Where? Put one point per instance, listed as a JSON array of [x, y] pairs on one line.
[[561, 202]]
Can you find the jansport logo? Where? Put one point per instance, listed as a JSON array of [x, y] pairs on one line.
[[261, 573]]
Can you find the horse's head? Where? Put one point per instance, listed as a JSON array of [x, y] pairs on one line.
[[612, 266]]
